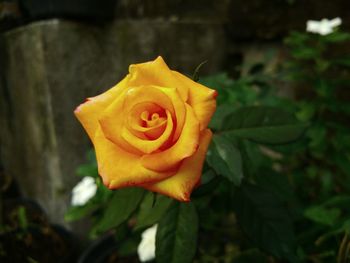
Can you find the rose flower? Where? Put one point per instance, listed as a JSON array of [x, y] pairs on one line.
[[150, 130]]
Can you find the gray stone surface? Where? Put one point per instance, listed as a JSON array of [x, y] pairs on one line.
[[209, 10], [50, 67]]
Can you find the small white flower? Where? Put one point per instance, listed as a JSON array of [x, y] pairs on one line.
[[83, 191], [323, 27], [147, 247]]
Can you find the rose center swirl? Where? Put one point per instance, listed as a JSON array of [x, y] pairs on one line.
[[151, 120]]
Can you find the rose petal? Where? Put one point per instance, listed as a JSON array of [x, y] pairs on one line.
[[182, 183], [180, 110], [146, 145], [89, 112], [185, 146], [113, 118], [119, 168], [201, 98], [135, 122], [167, 98], [156, 73], [112, 121]]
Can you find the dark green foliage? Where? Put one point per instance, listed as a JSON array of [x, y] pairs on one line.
[[319, 164], [152, 209], [119, 208], [226, 159], [77, 212], [262, 124], [176, 239], [265, 221], [275, 185], [251, 256]]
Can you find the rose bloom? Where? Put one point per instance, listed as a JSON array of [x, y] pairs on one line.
[[150, 130]]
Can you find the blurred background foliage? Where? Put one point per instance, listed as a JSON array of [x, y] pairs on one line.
[[266, 195], [276, 184]]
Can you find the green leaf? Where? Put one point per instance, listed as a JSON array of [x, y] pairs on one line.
[[209, 182], [224, 157], [87, 170], [263, 124], [22, 217], [265, 221], [297, 39], [221, 83], [305, 53], [337, 37], [176, 239], [119, 208], [322, 215], [343, 228], [345, 61], [77, 212], [91, 156], [128, 247], [222, 111], [152, 211], [317, 134], [340, 201], [252, 154], [250, 256], [306, 112], [207, 176], [277, 184]]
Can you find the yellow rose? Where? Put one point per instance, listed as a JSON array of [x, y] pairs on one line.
[[150, 130]]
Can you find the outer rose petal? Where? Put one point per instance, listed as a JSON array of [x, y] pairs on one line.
[[201, 98], [112, 123], [180, 185], [89, 112], [119, 168], [157, 73], [185, 146]]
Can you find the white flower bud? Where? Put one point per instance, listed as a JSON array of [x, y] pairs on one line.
[[323, 27], [83, 191], [147, 247]]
